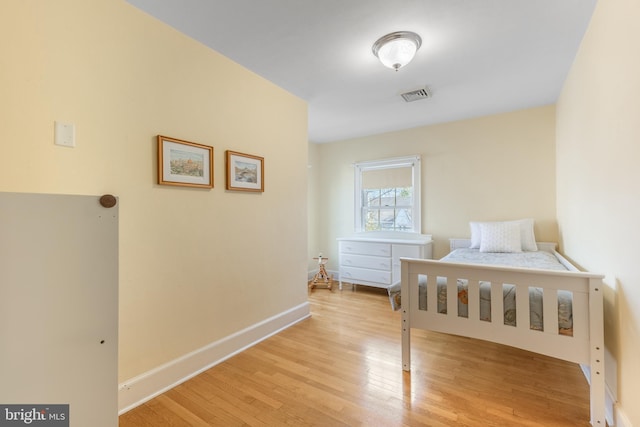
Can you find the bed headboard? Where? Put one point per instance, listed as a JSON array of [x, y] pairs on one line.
[[465, 243]]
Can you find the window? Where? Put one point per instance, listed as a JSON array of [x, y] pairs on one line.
[[388, 195]]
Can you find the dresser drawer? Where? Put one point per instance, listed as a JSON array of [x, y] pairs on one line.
[[365, 261], [354, 274], [365, 248]]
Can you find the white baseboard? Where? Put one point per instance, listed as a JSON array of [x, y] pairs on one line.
[[621, 418], [150, 384]]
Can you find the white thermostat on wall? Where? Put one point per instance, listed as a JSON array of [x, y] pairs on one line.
[[65, 134]]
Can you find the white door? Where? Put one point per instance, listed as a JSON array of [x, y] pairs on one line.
[[59, 305]]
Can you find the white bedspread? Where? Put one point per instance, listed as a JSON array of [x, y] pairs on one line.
[[538, 259]]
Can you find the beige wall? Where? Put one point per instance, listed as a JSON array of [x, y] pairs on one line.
[[490, 168], [195, 265], [598, 149], [315, 203]]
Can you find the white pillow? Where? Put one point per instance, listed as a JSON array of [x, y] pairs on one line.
[[500, 237], [527, 236], [475, 235]]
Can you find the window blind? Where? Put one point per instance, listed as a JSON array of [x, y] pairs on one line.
[[387, 178]]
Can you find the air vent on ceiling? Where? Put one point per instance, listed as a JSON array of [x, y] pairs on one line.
[[416, 95]]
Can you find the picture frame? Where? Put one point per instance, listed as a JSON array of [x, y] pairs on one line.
[[184, 163], [245, 172]]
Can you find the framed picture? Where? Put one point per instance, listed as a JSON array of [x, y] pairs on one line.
[[184, 163], [244, 172]]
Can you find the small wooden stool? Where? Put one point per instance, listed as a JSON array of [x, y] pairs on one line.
[[321, 275]]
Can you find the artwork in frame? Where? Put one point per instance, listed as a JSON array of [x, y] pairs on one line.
[[184, 163], [245, 172]]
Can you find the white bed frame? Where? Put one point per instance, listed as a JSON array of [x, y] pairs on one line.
[[585, 347]]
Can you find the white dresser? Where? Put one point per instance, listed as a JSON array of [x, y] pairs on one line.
[[373, 259]]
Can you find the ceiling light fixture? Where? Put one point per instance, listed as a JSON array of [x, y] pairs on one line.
[[395, 50]]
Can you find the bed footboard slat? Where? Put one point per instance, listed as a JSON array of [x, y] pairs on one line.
[[522, 307], [452, 295], [497, 304], [550, 310], [473, 295], [580, 312], [432, 293]]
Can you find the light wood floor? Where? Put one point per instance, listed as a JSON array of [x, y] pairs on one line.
[[342, 367]]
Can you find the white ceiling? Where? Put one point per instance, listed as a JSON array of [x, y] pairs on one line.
[[478, 57]]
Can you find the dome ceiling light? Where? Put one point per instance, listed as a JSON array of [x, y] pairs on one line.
[[395, 50]]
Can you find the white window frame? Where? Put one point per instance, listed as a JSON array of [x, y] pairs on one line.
[[396, 162]]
